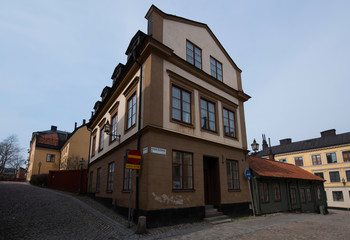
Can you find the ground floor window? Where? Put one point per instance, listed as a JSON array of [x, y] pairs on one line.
[[338, 196], [319, 196], [293, 196], [302, 195], [277, 192], [347, 173], [264, 192], [110, 177], [182, 170], [308, 195], [232, 174], [98, 180], [127, 179], [334, 176]]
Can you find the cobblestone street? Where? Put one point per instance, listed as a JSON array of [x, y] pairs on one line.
[[29, 212]]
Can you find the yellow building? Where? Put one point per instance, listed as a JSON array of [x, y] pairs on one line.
[[75, 150], [327, 157], [44, 153]]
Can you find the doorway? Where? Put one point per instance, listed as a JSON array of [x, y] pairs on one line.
[[211, 181]]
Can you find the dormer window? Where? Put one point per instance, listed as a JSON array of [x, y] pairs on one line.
[[216, 69], [194, 54]]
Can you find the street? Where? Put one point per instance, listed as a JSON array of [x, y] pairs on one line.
[[29, 212]]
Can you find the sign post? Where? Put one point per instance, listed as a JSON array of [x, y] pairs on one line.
[[248, 175], [133, 161]]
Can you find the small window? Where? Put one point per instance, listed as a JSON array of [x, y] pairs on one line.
[[277, 192], [283, 160], [93, 147], [229, 123], [316, 159], [346, 156], [299, 161], [110, 177], [216, 69], [194, 54], [131, 111], [331, 157], [114, 127], [181, 105], [50, 158], [293, 195], [98, 180], [338, 196], [320, 174], [232, 175], [334, 176], [127, 179], [264, 192], [319, 196], [302, 195], [347, 173], [90, 180], [208, 115], [102, 137], [182, 170], [308, 195]]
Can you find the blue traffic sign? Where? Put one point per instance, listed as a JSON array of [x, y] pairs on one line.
[[247, 174]]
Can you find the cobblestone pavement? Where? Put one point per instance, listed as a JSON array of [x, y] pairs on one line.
[[29, 212]]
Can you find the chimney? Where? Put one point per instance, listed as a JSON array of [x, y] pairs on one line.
[[285, 141], [264, 143], [75, 125], [53, 128], [328, 133], [84, 121], [271, 155]]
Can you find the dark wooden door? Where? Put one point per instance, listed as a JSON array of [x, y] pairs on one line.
[[211, 181]]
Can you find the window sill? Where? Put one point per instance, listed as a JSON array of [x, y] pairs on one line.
[[126, 191], [232, 138], [184, 190], [234, 190], [189, 125], [109, 191]]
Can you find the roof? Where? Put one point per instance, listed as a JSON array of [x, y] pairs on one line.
[[52, 139], [328, 138], [269, 168]]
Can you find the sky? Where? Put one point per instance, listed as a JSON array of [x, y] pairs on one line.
[[56, 56]]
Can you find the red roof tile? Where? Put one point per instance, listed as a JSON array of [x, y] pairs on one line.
[[269, 168], [48, 139]]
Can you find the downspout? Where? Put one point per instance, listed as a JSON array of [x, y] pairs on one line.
[[88, 163]]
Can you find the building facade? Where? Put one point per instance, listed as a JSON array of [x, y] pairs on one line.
[[280, 187], [44, 153], [327, 157], [190, 128]]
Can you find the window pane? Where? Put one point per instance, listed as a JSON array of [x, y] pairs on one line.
[[331, 158], [176, 103], [338, 196], [186, 97], [186, 117], [334, 176], [211, 107], [203, 104], [176, 92], [347, 173], [186, 107], [176, 114]]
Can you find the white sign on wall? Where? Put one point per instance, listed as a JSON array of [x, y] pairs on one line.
[[145, 150], [156, 150]]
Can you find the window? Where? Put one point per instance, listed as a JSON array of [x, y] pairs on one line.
[[277, 192], [216, 69], [182, 170], [131, 111], [264, 192], [331, 157], [347, 173], [319, 196], [308, 195], [93, 146], [127, 179], [194, 54], [90, 181], [102, 138], [283, 160], [316, 159], [181, 105], [208, 115], [299, 161], [346, 156], [232, 174], [302, 195], [229, 123], [98, 180], [114, 127], [110, 177], [293, 196], [320, 174], [50, 158], [338, 196], [334, 176]]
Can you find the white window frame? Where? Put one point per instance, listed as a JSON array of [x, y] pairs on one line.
[[329, 176], [312, 164], [342, 158], [336, 155], [302, 159]]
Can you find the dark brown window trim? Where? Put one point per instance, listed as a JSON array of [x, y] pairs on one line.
[[215, 113], [182, 189], [194, 54], [111, 122], [216, 69], [93, 146], [239, 180], [128, 98], [181, 100], [235, 122]]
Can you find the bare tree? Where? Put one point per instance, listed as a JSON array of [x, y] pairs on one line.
[[9, 152]]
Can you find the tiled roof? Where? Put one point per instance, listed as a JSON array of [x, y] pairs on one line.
[[324, 141], [269, 168]]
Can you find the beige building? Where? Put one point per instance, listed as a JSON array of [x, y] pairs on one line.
[[327, 157], [44, 153], [75, 150], [179, 101]]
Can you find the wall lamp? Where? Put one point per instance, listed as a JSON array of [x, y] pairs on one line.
[[255, 146], [108, 128]]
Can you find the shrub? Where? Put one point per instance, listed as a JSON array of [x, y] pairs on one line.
[[39, 180]]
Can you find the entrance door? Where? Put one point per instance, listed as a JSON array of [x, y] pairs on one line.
[[211, 181]]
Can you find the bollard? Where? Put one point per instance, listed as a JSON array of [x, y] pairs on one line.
[[141, 225]]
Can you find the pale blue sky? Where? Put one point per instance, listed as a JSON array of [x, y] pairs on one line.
[[57, 56]]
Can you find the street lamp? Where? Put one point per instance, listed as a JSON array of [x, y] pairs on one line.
[[81, 174], [108, 131], [255, 146]]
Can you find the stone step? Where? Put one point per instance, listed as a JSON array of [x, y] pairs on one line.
[[208, 207], [218, 219], [213, 214]]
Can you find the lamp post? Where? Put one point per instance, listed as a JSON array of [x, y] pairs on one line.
[[255, 146], [108, 131], [81, 174]]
